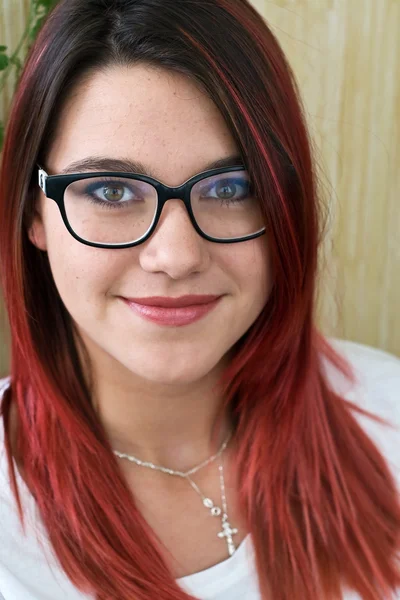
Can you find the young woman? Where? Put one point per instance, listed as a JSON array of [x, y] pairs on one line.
[[175, 425]]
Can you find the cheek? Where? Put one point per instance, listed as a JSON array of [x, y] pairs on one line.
[[83, 275], [75, 265], [249, 265]]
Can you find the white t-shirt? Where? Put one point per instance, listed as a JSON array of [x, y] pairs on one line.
[[29, 568]]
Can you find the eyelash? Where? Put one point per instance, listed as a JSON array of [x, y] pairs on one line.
[[103, 203]]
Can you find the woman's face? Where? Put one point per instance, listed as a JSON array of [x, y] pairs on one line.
[[170, 125]]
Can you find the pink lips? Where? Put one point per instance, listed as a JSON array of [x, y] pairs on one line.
[[173, 311]]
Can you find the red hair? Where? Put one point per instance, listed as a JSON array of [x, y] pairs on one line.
[[320, 501]]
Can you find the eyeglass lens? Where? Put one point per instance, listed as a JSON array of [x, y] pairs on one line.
[[118, 210]]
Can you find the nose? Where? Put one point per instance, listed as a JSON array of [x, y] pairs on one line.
[[175, 247]]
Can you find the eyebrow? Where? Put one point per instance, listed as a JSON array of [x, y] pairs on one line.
[[100, 163]]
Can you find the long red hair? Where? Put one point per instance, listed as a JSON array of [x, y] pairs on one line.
[[320, 501]]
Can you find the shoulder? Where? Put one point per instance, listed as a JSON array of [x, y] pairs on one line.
[[367, 356], [377, 390], [4, 383], [377, 373]]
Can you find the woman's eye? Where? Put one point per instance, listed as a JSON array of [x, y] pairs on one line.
[[229, 189], [114, 193], [111, 192]]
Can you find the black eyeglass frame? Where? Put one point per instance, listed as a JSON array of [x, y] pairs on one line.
[[54, 186]]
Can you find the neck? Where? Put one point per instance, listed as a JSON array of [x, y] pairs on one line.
[[167, 425]]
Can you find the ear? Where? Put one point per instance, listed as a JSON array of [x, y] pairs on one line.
[[37, 232]]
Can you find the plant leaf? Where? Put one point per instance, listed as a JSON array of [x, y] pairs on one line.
[[40, 10], [4, 61], [35, 29], [47, 4], [15, 60]]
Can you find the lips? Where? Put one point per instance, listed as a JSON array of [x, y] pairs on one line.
[[170, 302], [173, 311]]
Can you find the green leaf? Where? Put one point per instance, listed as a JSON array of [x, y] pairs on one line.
[[4, 61], [15, 60], [47, 4], [3, 48], [35, 29]]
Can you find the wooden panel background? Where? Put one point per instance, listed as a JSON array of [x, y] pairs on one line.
[[346, 57]]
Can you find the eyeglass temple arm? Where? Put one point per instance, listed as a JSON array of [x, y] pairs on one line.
[[42, 176]]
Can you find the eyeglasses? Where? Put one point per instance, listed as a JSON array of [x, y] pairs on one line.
[[121, 210]]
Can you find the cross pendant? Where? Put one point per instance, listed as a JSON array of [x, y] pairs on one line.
[[227, 533]]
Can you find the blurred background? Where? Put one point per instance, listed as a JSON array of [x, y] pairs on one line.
[[346, 58]]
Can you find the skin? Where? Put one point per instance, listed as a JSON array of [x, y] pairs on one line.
[[154, 384]]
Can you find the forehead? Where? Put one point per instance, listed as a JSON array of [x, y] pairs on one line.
[[162, 119]]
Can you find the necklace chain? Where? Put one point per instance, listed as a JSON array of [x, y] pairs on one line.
[[170, 471], [227, 530]]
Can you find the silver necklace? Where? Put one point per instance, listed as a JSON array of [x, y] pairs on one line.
[[216, 511]]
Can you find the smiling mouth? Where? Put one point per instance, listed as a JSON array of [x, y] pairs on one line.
[[174, 312]]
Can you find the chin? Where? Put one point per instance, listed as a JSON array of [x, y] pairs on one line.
[[174, 377], [170, 372]]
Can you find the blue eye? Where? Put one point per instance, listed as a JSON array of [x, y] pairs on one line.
[[228, 190]]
